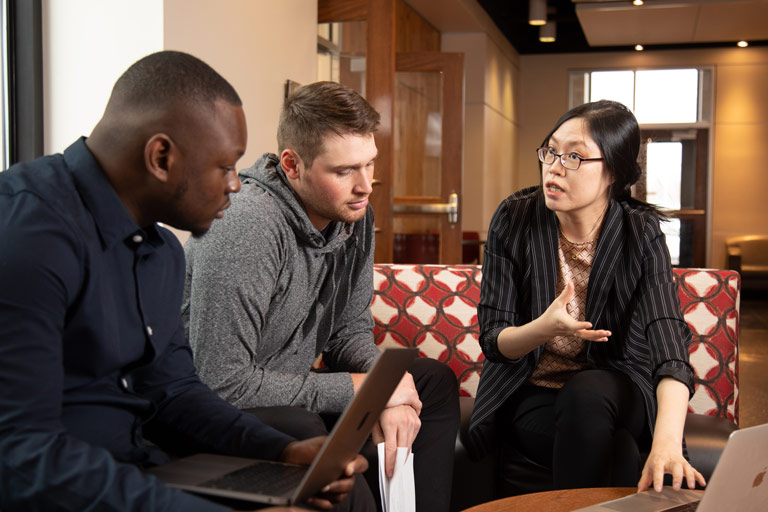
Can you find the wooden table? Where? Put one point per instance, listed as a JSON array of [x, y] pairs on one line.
[[554, 501]]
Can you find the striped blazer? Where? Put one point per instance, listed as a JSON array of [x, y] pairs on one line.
[[630, 292]]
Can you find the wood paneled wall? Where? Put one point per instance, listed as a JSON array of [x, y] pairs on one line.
[[392, 26]]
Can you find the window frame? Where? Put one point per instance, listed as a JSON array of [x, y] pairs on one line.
[[25, 81], [578, 91]]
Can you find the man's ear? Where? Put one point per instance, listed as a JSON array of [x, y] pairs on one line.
[[289, 161], [158, 156]]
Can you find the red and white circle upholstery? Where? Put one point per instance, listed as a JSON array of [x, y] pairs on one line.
[[710, 303], [434, 308]]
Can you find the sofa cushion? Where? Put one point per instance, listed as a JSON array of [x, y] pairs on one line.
[[434, 308]]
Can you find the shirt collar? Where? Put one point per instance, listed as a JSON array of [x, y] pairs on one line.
[[113, 222]]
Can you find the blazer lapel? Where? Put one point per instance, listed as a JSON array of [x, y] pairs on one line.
[[607, 255], [543, 258]]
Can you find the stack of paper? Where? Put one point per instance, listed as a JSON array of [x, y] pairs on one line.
[[398, 494]]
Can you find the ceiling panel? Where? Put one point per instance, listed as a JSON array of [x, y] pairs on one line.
[[610, 25], [606, 25], [672, 21], [732, 21]]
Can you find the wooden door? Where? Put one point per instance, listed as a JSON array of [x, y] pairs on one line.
[[427, 181], [417, 185]]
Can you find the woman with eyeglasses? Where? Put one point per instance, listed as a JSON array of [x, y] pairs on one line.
[[586, 347]]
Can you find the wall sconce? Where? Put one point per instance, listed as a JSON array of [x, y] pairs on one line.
[[537, 12], [639, 48], [548, 32]]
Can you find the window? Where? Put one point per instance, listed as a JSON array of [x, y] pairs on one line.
[[22, 81], [656, 96], [4, 129], [673, 108], [341, 51], [667, 96], [328, 40]]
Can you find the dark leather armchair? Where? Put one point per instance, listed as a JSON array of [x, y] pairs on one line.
[[748, 255]]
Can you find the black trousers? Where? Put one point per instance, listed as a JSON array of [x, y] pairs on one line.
[[590, 432], [433, 448]]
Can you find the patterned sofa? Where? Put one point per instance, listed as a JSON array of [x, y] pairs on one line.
[[433, 307]]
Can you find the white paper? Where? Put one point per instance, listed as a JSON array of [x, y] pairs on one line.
[[398, 494]]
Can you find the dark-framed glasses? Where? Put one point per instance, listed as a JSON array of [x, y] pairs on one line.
[[570, 161]]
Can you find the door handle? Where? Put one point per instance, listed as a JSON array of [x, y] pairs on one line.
[[451, 208]]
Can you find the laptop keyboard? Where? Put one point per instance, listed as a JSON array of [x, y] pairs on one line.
[[262, 478], [688, 507]]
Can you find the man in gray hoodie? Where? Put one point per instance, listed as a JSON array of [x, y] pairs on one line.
[[287, 276]]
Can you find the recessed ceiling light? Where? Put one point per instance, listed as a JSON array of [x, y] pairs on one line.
[[639, 47], [537, 12], [637, 2], [742, 44]]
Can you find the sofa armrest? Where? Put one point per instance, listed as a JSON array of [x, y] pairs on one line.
[[705, 438], [474, 482], [466, 404]]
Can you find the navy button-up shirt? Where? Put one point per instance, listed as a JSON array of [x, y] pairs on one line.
[[93, 357]]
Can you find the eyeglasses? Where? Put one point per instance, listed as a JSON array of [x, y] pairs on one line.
[[570, 161]]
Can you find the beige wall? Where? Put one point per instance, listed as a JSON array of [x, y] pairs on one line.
[[255, 44], [490, 125], [87, 44], [739, 180]]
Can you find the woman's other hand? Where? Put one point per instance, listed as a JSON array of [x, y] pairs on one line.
[[668, 458], [667, 449]]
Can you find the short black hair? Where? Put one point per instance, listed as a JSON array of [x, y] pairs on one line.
[[167, 77]]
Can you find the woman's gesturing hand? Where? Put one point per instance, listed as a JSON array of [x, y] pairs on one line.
[[560, 323]]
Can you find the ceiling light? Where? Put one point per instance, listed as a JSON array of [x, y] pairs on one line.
[[637, 2], [548, 32], [537, 12], [742, 44], [639, 48]]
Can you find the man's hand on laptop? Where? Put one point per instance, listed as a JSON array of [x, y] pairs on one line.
[[304, 452]]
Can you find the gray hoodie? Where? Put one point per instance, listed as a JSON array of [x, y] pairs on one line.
[[266, 293]]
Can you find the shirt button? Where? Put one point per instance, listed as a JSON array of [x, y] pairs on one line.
[[149, 330], [138, 239]]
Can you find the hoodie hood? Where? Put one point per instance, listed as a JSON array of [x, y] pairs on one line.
[[268, 175]]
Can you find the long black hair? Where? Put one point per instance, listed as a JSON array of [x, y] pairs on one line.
[[616, 132]]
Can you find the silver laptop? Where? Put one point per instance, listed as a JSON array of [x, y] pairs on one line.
[[739, 482], [276, 483]]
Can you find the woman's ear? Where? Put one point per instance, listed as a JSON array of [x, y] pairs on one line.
[[158, 156], [289, 162]]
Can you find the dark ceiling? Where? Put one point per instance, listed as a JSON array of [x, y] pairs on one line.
[[511, 17]]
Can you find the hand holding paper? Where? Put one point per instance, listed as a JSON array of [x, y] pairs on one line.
[[398, 494]]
